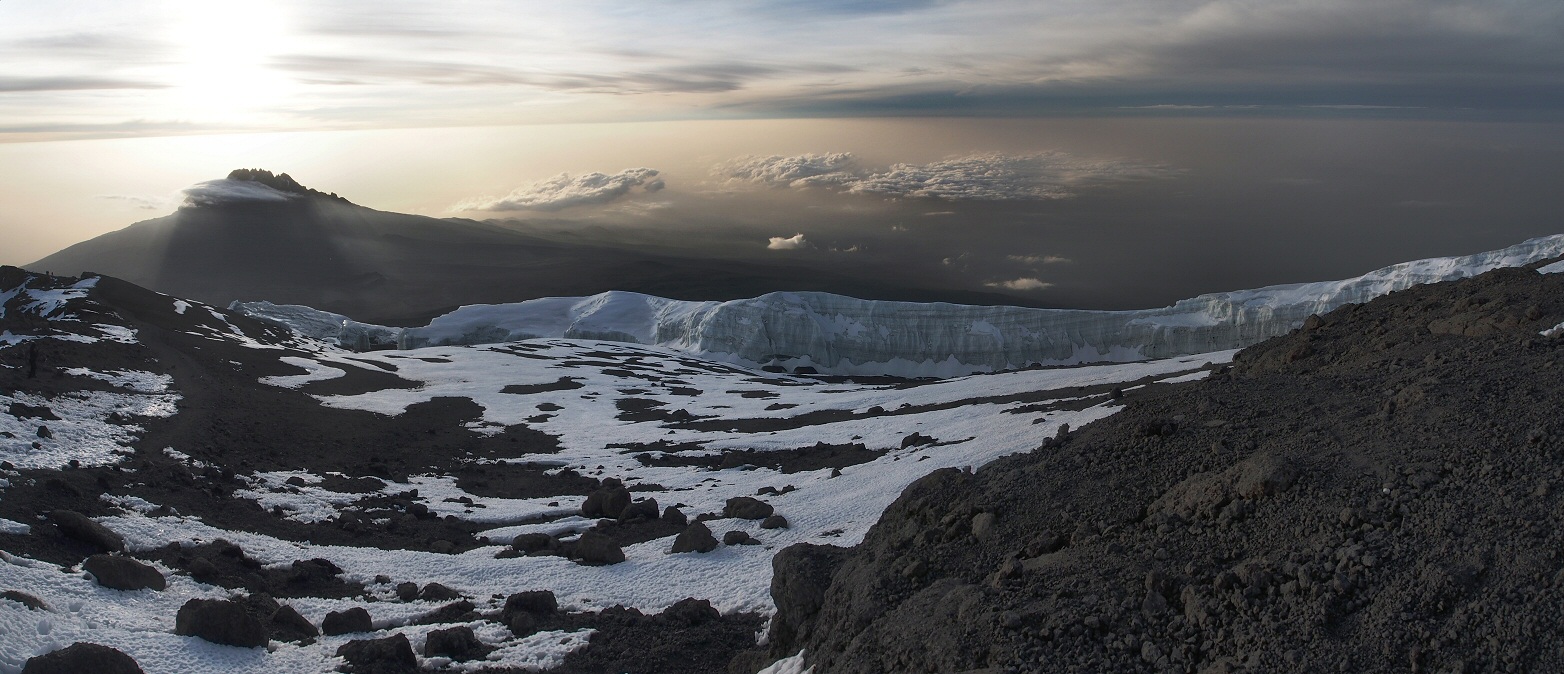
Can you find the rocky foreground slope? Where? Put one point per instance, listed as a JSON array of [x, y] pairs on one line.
[[1377, 491]]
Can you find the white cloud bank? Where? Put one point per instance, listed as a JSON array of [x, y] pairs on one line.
[[793, 242], [1025, 283], [563, 191], [978, 177]]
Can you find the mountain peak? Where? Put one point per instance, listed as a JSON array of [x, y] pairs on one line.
[[281, 182]]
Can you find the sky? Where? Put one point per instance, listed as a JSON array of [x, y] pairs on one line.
[[1100, 153]]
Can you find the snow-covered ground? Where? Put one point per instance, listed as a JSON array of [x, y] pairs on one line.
[[571, 390]]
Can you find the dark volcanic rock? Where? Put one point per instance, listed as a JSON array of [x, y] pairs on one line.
[[220, 621], [287, 625], [32, 603], [530, 543], [438, 592], [735, 537], [747, 508], [695, 538], [1375, 492], [351, 621], [456, 643], [82, 658], [81, 528], [595, 549], [391, 655], [123, 573], [774, 522]]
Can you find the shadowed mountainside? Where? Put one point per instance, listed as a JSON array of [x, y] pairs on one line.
[[279, 241]]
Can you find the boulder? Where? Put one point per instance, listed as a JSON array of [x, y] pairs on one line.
[[535, 602], [530, 543], [353, 620], [220, 621], [407, 591], [774, 522], [123, 573], [735, 537], [391, 655], [695, 538], [747, 508], [82, 657], [454, 612], [456, 643], [288, 625], [78, 526], [675, 516], [644, 509], [438, 592], [596, 549]]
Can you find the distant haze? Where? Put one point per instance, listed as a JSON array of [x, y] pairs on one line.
[[1113, 213]]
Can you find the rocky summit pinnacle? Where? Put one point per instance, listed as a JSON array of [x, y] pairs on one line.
[[281, 182]]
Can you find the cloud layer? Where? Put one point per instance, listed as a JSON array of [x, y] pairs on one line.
[[225, 191], [563, 191], [978, 177]]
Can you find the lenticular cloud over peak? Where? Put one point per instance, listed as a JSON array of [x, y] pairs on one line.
[[563, 191], [228, 190], [977, 177]]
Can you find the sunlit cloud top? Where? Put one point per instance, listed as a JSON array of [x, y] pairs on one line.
[[175, 66]]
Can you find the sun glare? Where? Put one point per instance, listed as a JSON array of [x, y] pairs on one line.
[[224, 52]]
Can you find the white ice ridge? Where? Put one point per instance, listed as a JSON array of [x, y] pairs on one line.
[[843, 335]]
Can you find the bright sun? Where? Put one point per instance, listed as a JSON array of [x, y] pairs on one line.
[[224, 53]]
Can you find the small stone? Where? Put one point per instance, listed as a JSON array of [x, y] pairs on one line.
[[774, 522], [438, 592], [287, 625], [407, 591], [674, 516]]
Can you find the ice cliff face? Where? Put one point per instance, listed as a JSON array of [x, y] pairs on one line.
[[322, 325], [842, 335]]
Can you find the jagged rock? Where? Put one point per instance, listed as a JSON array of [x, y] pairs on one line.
[[220, 621], [456, 643], [391, 655], [81, 528], [82, 658], [608, 501], [747, 508], [695, 538], [123, 573], [353, 620]]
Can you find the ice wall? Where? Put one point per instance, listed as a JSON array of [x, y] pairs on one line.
[[323, 325], [843, 335]]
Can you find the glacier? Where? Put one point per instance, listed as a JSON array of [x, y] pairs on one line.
[[838, 335]]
